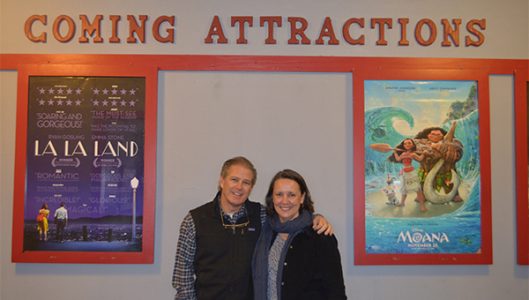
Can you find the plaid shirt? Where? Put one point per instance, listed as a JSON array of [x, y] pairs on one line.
[[184, 271]]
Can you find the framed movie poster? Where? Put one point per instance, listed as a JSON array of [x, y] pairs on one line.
[[522, 153], [421, 167], [85, 164]]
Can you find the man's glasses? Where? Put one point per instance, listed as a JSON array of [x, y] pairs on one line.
[[235, 227]]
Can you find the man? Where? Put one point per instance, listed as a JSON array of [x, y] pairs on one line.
[[217, 239], [61, 219], [436, 144]]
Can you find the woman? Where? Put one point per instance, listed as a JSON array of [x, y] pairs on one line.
[[405, 153], [290, 260], [42, 222]]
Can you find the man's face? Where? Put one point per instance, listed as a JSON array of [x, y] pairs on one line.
[[236, 187], [435, 136]]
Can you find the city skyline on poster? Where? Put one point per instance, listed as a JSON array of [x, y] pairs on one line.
[[444, 172]]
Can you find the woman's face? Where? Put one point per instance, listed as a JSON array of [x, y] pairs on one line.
[[408, 144], [287, 199]]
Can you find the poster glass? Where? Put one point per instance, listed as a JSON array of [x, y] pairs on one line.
[[422, 188], [85, 168], [522, 166]]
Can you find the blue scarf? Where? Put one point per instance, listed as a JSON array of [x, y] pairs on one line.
[[262, 250]]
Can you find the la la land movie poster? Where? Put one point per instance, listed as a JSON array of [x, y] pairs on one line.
[[422, 170], [85, 145]]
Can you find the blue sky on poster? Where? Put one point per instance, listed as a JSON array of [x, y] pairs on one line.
[[428, 101]]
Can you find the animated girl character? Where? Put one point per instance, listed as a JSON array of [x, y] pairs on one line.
[[405, 153]]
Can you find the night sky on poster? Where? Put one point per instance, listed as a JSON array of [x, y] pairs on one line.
[[85, 142]]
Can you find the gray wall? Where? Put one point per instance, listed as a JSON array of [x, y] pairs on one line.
[[297, 120]]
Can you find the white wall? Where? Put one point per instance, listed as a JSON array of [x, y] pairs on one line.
[[278, 120], [506, 33]]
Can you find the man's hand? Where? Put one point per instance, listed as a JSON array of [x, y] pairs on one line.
[[451, 152], [320, 225]]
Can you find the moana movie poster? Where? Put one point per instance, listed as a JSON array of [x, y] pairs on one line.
[[422, 167], [85, 152]]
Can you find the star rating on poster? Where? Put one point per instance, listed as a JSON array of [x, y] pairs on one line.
[[113, 97], [59, 102], [104, 97], [113, 91], [58, 90], [58, 95], [114, 103]]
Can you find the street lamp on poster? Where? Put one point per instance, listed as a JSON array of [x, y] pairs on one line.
[[134, 182]]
